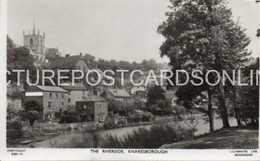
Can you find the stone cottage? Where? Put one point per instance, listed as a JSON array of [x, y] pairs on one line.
[[53, 99], [93, 108]]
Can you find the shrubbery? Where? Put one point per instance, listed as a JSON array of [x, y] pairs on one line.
[[140, 117], [14, 129], [69, 117], [115, 122], [153, 137]]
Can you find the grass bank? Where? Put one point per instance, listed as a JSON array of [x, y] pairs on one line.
[[231, 138]]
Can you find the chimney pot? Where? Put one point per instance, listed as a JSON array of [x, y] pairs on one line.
[[80, 54], [67, 55]]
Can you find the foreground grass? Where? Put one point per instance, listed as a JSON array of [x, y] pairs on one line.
[[232, 138]]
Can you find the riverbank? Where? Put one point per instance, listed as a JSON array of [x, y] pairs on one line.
[[231, 138]]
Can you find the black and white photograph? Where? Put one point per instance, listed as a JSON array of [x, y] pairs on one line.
[[127, 77]]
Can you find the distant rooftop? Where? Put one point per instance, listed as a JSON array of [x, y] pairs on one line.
[[119, 93], [93, 99], [67, 61], [76, 87], [51, 88]]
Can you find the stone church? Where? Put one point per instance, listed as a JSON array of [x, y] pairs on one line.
[[35, 42]]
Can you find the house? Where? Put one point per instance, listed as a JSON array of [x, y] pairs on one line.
[[119, 95], [53, 99], [52, 53], [14, 97], [201, 101], [70, 62], [138, 92], [93, 108], [171, 97], [75, 93]]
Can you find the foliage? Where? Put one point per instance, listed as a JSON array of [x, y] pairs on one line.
[[114, 122], [32, 116], [154, 94], [19, 58], [160, 107], [14, 129], [152, 137], [249, 100], [69, 117], [32, 105], [142, 116], [202, 35], [120, 107], [12, 113]]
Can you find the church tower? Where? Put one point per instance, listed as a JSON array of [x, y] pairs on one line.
[[35, 42]]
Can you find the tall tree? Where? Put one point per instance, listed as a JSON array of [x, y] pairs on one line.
[[19, 58], [155, 93], [200, 34]]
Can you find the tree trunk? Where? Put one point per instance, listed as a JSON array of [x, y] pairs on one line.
[[237, 116], [210, 111], [236, 109], [222, 105]]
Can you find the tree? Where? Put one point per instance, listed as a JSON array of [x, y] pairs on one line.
[[19, 58], [155, 94], [249, 100], [32, 116], [200, 34], [32, 105]]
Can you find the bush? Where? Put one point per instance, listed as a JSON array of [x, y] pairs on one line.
[[14, 129], [14, 134], [114, 122], [32, 116], [153, 137], [142, 116], [70, 117], [15, 125], [32, 105]]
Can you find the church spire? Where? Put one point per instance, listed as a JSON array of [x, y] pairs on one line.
[[34, 27]]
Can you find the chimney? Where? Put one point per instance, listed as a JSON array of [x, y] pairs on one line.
[[67, 55], [80, 54]]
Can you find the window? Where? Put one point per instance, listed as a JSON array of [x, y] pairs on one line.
[[50, 95], [49, 104], [57, 95], [31, 41], [62, 95], [69, 100], [62, 103], [83, 93]]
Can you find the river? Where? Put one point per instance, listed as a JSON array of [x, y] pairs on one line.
[[200, 124]]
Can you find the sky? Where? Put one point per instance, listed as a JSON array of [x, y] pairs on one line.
[[109, 29]]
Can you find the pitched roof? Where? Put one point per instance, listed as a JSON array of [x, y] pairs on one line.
[[69, 61], [51, 88], [93, 99], [119, 93], [135, 89], [52, 52], [76, 87]]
